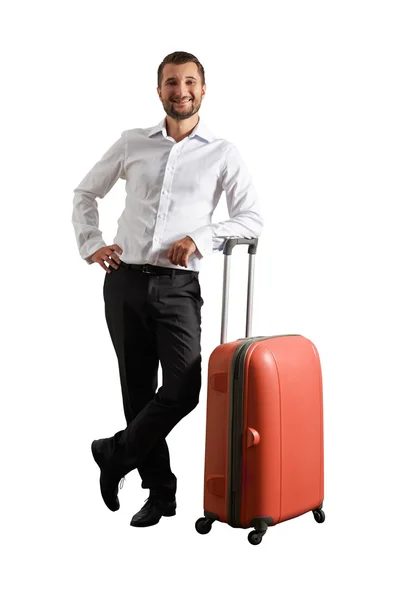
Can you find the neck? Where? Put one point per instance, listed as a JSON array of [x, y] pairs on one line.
[[179, 129]]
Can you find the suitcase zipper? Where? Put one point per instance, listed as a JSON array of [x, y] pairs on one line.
[[235, 430], [236, 418]]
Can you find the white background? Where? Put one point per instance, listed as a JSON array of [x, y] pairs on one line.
[[308, 91]]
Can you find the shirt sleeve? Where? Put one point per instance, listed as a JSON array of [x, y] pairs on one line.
[[96, 184], [246, 219]]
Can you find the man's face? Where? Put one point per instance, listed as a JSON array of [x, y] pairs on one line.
[[181, 91]]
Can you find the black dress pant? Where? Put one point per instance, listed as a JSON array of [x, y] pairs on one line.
[[152, 317]]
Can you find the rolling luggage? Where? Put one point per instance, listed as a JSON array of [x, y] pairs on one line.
[[264, 457]]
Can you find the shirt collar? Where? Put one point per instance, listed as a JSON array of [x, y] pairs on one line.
[[200, 130]]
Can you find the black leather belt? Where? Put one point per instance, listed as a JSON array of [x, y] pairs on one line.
[[154, 269]]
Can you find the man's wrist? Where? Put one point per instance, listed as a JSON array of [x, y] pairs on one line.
[[190, 238]]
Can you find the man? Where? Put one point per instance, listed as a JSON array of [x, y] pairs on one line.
[[175, 174]]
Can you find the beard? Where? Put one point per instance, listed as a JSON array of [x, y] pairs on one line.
[[180, 113]]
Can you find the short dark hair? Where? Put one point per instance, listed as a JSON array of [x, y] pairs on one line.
[[179, 58]]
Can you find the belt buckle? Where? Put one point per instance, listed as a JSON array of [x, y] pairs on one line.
[[146, 269]]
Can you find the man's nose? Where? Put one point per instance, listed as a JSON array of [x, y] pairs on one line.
[[182, 90]]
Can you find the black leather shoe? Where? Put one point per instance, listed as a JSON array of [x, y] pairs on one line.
[[154, 508], [108, 483]]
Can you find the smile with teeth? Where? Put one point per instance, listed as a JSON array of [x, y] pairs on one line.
[[179, 102]]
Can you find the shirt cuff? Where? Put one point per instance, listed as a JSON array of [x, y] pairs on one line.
[[202, 238], [90, 247]]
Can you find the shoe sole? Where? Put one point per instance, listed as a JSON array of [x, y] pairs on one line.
[[111, 508], [94, 454], [138, 524], [144, 524], [167, 512]]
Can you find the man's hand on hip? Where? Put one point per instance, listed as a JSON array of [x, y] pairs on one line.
[[180, 251], [107, 253]]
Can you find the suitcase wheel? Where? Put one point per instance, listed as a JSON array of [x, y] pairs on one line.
[[319, 515], [203, 525], [255, 537]]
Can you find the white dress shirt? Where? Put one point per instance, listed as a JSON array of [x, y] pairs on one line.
[[172, 189]]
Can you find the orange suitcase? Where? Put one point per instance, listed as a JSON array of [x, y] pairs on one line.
[[264, 459]]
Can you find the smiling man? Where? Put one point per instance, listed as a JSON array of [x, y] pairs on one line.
[[175, 174], [181, 93]]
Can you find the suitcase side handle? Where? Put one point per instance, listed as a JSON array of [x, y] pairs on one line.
[[253, 437], [227, 251]]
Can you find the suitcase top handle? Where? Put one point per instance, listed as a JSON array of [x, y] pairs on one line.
[[227, 251], [232, 242]]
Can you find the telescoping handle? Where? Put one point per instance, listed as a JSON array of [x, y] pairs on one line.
[[227, 251]]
